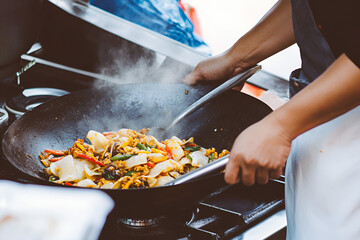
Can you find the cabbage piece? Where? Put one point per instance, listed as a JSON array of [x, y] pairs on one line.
[[124, 132], [65, 169], [123, 140], [185, 161], [199, 159], [156, 157], [98, 140], [163, 180], [176, 139], [80, 166], [176, 149], [70, 169], [120, 140], [108, 185], [90, 169], [136, 160], [187, 141], [151, 180], [87, 183], [158, 144], [174, 174], [163, 167]]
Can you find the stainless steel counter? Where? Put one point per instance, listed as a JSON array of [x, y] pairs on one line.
[[266, 228]]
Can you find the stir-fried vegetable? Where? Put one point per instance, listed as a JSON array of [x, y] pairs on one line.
[[125, 159], [141, 146], [54, 152], [193, 149], [55, 159], [121, 157], [212, 156], [129, 173], [91, 159]]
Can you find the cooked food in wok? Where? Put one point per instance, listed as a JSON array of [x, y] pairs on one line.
[[125, 159]]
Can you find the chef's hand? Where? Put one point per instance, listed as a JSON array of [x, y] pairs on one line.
[[258, 153], [216, 68]]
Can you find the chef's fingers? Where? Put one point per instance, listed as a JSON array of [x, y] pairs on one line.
[[248, 175], [232, 172], [262, 175], [191, 78], [275, 174]]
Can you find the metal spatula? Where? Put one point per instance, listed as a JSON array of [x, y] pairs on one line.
[[211, 168]]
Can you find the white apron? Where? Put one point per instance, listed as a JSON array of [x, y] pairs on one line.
[[322, 178], [323, 181]]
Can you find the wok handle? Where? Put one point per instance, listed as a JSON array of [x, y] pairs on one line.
[[232, 82], [211, 168]]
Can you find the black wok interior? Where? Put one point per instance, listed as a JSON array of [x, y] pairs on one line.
[[57, 123]]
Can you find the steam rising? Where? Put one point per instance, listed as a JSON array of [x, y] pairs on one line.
[[124, 67], [139, 106]]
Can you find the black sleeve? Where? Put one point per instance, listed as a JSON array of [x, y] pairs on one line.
[[339, 22]]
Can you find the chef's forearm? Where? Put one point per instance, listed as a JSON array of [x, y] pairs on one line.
[[332, 94], [272, 34]]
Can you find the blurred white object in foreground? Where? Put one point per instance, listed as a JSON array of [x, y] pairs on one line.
[[42, 212]]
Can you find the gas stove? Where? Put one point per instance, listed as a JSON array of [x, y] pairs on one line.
[[239, 212], [225, 215]]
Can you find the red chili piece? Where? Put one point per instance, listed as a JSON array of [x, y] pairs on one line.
[[191, 145], [55, 152], [55, 159], [150, 164], [168, 152], [67, 184], [90, 159], [107, 133]]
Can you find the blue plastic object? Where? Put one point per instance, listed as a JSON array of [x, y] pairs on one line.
[[162, 16]]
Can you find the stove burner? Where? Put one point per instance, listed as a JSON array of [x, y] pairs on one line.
[[3, 121], [139, 222], [162, 227], [31, 98]]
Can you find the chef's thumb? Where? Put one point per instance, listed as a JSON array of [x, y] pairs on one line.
[[191, 79]]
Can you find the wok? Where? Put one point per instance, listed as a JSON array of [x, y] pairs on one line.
[[58, 123]]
